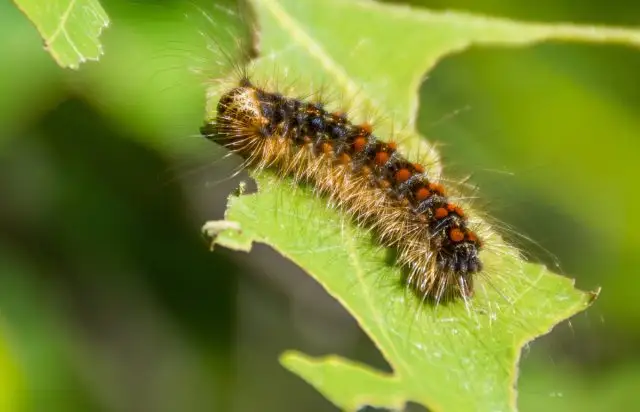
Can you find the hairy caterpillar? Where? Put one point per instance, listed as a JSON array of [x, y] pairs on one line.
[[405, 204]]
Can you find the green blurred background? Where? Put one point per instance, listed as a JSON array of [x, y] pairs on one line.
[[111, 301]]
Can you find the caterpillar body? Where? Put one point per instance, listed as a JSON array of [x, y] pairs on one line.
[[406, 206]]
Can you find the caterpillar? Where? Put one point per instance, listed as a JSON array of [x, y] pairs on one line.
[[403, 202]]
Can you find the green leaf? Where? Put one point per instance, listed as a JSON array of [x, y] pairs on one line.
[[449, 357], [444, 357], [70, 28]]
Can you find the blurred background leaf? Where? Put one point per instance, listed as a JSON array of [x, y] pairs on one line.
[[111, 302]]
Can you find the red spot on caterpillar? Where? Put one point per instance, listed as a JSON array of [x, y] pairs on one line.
[[359, 144], [422, 194], [441, 213], [366, 129], [459, 211], [393, 146], [456, 235], [403, 175], [437, 188], [381, 158], [471, 237], [418, 168]]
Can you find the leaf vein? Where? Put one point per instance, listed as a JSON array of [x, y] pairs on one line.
[[61, 25]]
